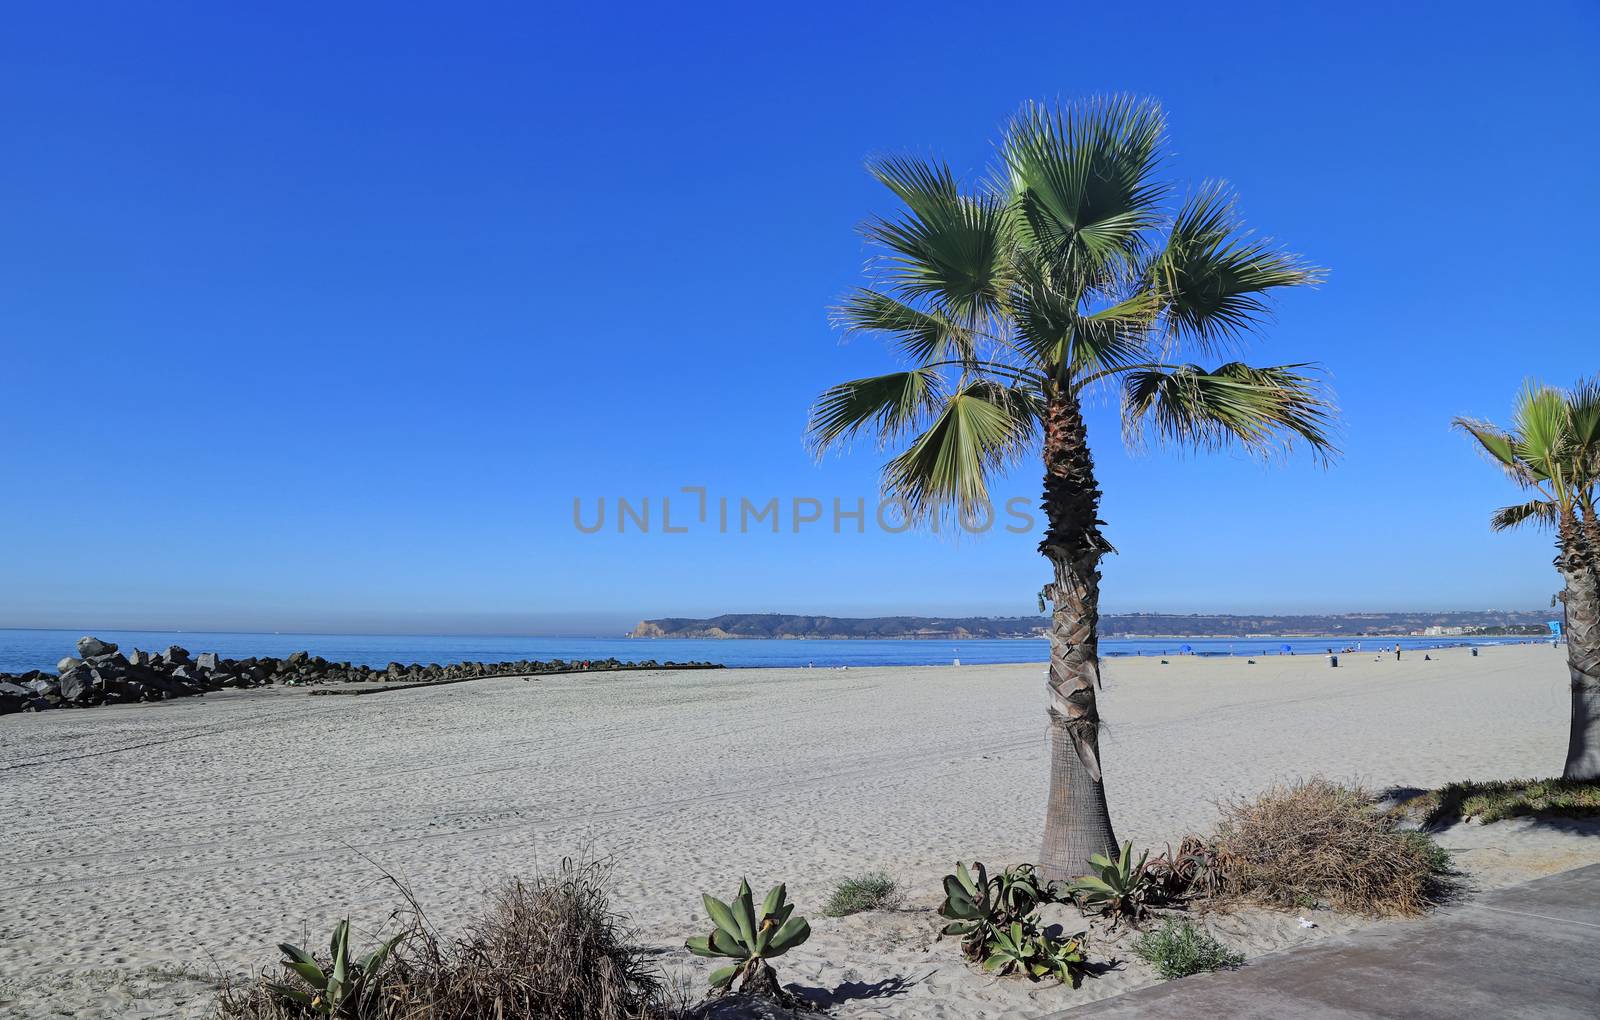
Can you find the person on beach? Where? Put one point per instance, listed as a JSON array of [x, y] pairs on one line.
[[1397, 651]]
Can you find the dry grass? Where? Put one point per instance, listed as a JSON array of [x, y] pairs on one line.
[[549, 949], [1316, 842]]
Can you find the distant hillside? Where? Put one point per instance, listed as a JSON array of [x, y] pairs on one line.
[[778, 625]]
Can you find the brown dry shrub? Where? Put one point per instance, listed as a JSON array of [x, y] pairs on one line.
[[549, 949], [1316, 841]]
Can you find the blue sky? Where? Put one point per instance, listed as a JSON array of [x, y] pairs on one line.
[[321, 316]]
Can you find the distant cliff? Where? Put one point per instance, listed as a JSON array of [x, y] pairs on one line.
[[1132, 625]]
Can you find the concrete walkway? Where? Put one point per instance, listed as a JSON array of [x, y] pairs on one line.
[[1530, 950]]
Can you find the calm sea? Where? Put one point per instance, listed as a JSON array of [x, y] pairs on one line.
[[22, 650]]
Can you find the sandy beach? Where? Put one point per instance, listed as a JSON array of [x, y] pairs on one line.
[[148, 844]]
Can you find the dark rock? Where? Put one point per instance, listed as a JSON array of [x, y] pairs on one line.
[[110, 659], [91, 646], [78, 686], [68, 664], [13, 697], [298, 658], [138, 658], [175, 656]]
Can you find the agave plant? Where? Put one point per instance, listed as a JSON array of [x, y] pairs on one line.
[[997, 919], [970, 907], [1194, 870], [1119, 887], [739, 933], [348, 988]]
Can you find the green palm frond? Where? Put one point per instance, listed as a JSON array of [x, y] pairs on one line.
[[1583, 427], [1213, 279], [887, 406], [1064, 343], [918, 335], [1501, 448], [1539, 424], [1082, 181], [947, 248], [1540, 511], [980, 429], [1261, 410]]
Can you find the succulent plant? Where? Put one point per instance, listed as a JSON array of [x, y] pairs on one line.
[[968, 907], [347, 989], [739, 933], [1119, 888], [997, 918], [1022, 947]]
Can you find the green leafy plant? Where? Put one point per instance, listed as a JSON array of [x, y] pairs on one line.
[[347, 988], [872, 891], [1178, 949], [1022, 947], [1118, 888], [739, 933], [997, 919]]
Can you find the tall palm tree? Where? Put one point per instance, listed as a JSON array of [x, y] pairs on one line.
[[1552, 450], [1070, 272]]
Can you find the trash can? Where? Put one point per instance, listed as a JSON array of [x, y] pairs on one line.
[[1333, 660]]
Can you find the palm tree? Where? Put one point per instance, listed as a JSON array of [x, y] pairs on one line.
[[1069, 272], [1552, 450]]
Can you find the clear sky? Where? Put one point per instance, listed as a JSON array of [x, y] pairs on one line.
[[322, 315]]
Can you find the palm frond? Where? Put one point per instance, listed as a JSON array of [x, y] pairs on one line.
[[948, 248], [1261, 410], [1500, 447], [918, 335], [1540, 427], [980, 430], [1082, 181], [887, 406], [1065, 344], [1583, 429], [1540, 511], [1213, 279]]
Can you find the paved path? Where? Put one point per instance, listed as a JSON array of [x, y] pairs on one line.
[[1531, 950]]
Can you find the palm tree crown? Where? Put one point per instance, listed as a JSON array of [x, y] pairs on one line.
[[1068, 269], [1552, 449]]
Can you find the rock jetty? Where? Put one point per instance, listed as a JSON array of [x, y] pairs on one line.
[[101, 674]]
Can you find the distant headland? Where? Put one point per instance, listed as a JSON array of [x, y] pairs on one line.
[[1131, 625]]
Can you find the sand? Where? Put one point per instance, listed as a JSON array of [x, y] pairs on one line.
[[147, 846]]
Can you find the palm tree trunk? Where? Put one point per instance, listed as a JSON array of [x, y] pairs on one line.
[[1577, 563], [1077, 823]]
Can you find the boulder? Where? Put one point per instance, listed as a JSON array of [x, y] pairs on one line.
[[297, 659], [138, 658], [90, 646], [175, 656], [206, 660], [78, 686], [68, 664], [13, 697]]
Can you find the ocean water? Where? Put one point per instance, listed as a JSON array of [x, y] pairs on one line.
[[23, 650]]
